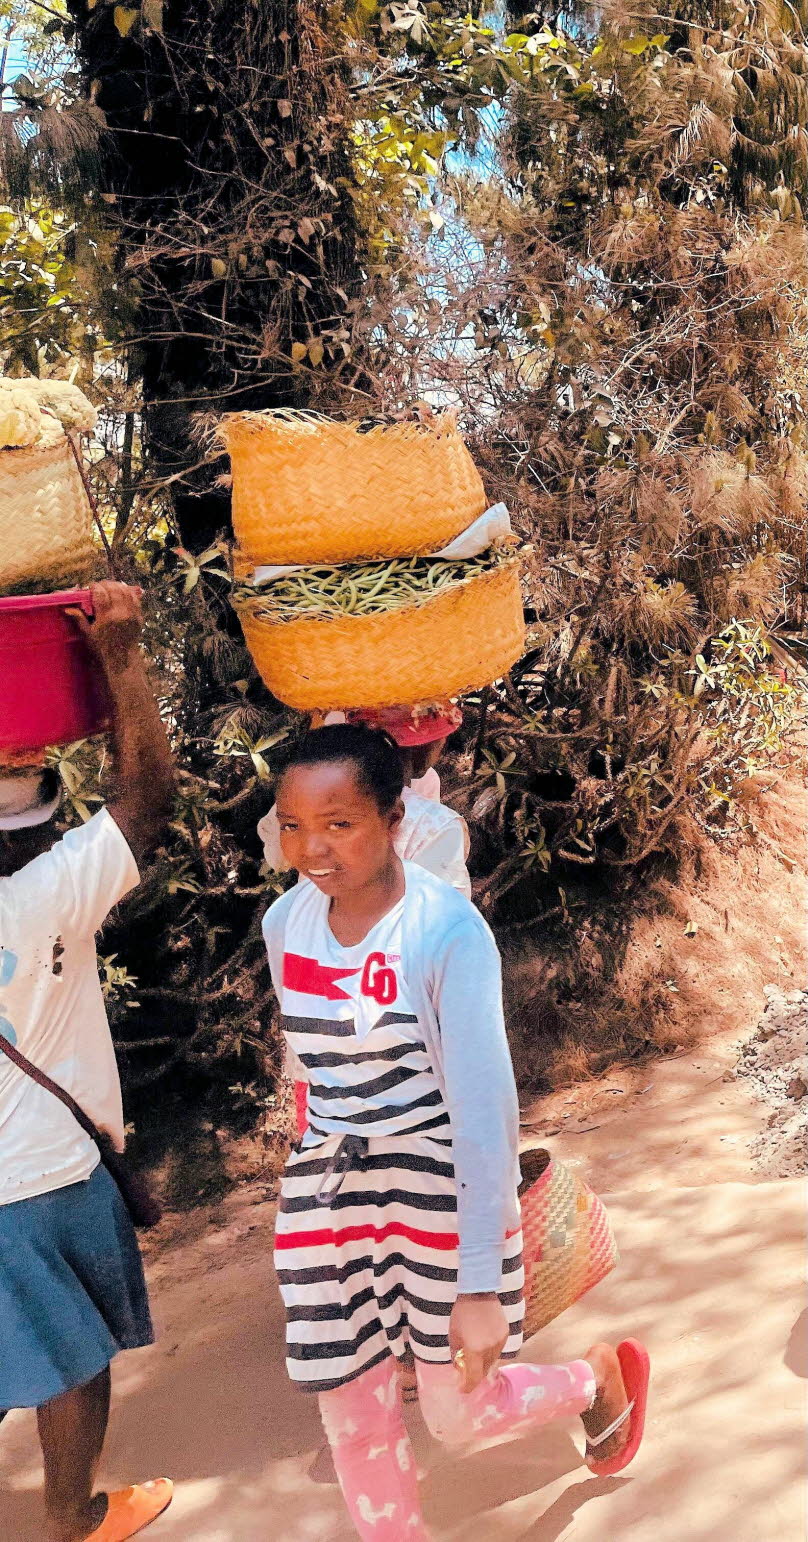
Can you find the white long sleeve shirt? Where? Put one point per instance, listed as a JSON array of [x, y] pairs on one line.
[[452, 968]]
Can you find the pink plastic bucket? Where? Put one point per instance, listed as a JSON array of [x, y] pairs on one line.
[[52, 690]]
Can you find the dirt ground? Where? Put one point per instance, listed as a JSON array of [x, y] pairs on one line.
[[774, 1062], [711, 1278]]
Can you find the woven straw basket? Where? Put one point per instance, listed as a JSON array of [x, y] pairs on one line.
[[45, 518], [464, 638], [309, 490], [568, 1241]]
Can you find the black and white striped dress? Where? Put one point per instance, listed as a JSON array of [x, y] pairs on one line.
[[366, 1241]]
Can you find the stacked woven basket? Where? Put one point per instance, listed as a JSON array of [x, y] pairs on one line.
[[348, 596], [45, 518]]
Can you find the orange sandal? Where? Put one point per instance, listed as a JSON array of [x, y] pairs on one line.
[[130, 1509]]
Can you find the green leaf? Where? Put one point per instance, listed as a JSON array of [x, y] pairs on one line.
[[261, 767], [70, 775]]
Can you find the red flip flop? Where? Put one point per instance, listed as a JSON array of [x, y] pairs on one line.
[[635, 1364]]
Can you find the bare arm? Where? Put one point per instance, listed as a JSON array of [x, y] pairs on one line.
[[143, 762]]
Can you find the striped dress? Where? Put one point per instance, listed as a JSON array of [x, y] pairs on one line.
[[366, 1241]]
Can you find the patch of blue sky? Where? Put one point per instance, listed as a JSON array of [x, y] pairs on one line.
[[12, 51]]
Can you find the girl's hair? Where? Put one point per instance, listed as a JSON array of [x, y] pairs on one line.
[[375, 756]]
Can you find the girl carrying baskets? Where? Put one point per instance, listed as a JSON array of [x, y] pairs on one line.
[[398, 1226]]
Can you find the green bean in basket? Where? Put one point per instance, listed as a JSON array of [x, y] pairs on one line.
[[371, 590]]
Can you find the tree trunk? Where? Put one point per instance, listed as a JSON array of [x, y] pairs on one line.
[[230, 184]]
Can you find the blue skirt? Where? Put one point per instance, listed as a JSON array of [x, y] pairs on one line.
[[72, 1291]]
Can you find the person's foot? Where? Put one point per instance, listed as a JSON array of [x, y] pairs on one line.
[[80, 1525], [611, 1400], [130, 1510]]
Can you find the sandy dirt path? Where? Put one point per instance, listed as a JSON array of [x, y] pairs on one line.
[[712, 1279]]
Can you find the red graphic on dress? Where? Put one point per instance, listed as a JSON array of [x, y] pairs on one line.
[[313, 979], [378, 981]]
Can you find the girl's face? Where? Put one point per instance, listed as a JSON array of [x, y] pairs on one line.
[[332, 830]]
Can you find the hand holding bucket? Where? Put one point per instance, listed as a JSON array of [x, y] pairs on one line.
[[52, 687], [112, 623]]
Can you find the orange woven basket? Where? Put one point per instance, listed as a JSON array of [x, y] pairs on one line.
[[309, 490], [568, 1242], [462, 639]]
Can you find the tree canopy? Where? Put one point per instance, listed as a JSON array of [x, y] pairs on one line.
[[583, 231]]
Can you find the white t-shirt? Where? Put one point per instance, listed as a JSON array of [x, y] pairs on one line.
[[433, 836], [349, 1019], [52, 1008], [427, 786]]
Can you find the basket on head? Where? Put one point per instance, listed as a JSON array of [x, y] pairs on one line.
[[45, 518], [456, 641], [567, 1239], [310, 490]]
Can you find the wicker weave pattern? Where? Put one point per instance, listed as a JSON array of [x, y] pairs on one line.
[[45, 518], [309, 490], [569, 1244], [468, 636]]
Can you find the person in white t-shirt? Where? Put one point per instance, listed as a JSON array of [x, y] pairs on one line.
[[72, 1291]]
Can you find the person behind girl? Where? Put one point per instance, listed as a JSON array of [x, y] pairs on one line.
[[398, 1224]]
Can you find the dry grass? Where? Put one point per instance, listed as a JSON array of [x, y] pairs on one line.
[[630, 982]]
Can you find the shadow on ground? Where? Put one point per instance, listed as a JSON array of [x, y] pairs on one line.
[[711, 1279]]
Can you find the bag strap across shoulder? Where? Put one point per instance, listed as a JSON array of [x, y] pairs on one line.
[[43, 1080], [136, 1193]]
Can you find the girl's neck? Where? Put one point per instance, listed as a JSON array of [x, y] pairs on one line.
[[351, 916]]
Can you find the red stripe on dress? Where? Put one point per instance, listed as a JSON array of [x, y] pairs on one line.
[[443, 1241]]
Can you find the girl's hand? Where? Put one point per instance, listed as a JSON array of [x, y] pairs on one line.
[[479, 1327]]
